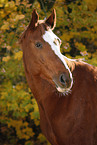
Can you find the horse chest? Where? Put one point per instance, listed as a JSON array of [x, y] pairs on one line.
[[70, 124]]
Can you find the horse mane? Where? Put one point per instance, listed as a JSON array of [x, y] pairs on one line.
[[72, 62]]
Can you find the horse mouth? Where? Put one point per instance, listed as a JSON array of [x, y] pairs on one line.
[[62, 90]]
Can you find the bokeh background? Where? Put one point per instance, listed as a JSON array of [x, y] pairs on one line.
[[76, 26]]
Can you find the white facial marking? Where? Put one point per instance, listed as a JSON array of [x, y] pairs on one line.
[[52, 39]]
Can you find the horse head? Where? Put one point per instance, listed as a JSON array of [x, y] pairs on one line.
[[41, 50]]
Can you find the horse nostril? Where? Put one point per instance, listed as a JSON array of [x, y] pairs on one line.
[[63, 82], [62, 79]]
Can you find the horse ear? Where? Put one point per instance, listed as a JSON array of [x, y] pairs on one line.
[[51, 20], [34, 19]]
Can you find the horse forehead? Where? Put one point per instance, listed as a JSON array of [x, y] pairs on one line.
[[50, 35]]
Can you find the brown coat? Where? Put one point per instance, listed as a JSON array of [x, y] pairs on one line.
[[65, 119]]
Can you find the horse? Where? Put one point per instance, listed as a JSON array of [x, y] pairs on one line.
[[65, 89]]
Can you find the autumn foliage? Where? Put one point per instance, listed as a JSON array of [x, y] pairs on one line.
[[76, 26]]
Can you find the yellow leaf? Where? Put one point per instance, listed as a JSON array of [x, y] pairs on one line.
[[37, 122], [1, 5], [3, 1], [6, 58], [19, 17], [41, 138], [19, 87], [5, 27], [12, 26], [29, 143], [18, 55], [17, 2]]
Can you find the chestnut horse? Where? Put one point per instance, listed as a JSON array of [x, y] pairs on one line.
[[65, 89]]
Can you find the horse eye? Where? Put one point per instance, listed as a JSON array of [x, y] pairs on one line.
[[38, 45]]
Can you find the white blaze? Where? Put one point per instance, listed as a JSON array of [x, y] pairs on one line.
[[50, 37]]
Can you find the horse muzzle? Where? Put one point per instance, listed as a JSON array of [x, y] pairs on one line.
[[63, 82]]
